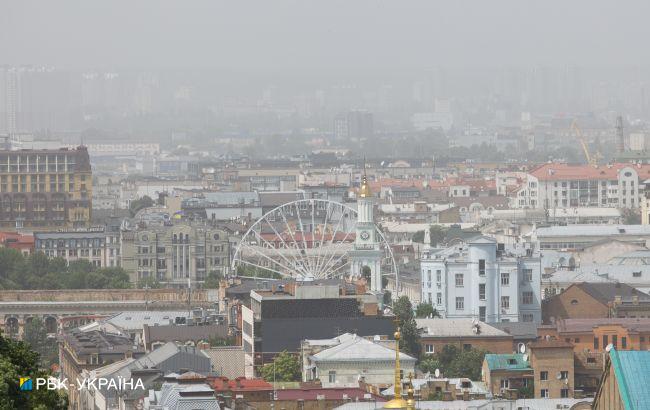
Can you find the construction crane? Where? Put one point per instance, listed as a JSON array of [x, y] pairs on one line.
[[591, 159]]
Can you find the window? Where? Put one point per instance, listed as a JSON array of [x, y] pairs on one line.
[[467, 347], [438, 276], [527, 298], [543, 376], [332, 376], [439, 298], [481, 291], [615, 340], [636, 274], [459, 280], [505, 278], [543, 393], [481, 267], [605, 341], [505, 302], [591, 360], [595, 343], [528, 275], [460, 303], [505, 383], [624, 342], [564, 393], [528, 317], [481, 313], [564, 374], [574, 302], [429, 349]]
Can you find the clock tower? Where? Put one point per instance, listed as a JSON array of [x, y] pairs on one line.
[[366, 253]]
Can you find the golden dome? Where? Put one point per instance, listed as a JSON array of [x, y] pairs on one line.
[[396, 403], [364, 190]]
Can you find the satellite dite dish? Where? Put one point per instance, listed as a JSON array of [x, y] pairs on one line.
[[437, 373], [609, 347], [525, 358], [522, 348]]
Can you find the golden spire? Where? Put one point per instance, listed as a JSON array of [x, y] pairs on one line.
[[398, 402], [364, 190]]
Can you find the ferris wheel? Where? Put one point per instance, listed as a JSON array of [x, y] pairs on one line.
[[307, 239]]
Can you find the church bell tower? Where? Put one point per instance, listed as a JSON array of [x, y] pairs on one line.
[[366, 254]]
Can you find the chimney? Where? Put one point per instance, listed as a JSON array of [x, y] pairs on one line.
[[635, 299]]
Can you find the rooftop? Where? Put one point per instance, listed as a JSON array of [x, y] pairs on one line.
[[457, 327], [632, 369], [359, 349], [507, 362], [592, 230]]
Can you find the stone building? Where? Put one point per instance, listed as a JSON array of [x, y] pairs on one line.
[[174, 254], [553, 364]]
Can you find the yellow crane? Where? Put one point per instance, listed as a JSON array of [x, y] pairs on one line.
[[591, 159]]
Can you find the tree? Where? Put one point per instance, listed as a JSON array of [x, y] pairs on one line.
[[426, 310], [366, 273], [453, 362], [18, 360], [141, 203], [429, 364], [388, 298], [212, 281], [36, 338], [284, 368], [410, 341]]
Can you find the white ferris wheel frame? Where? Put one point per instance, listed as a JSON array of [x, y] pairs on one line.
[[299, 269]]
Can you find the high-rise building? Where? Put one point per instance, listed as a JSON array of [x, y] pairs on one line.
[[45, 189], [357, 124]]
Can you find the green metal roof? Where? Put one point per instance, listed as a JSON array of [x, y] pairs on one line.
[[507, 362], [632, 369]]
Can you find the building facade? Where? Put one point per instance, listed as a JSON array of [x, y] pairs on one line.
[[552, 186], [478, 279], [45, 189], [100, 248], [174, 254]]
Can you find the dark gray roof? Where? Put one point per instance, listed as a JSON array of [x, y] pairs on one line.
[[286, 334], [170, 333], [518, 330], [607, 292]]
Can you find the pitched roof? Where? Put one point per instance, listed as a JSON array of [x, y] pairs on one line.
[[557, 172], [359, 350], [632, 369], [586, 325], [457, 328], [507, 362], [606, 292]]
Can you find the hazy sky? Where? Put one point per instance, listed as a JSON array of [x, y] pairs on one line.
[[323, 34]]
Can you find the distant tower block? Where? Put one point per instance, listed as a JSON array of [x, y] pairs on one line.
[[620, 137]]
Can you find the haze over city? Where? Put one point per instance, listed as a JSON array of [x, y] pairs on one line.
[[321, 205]]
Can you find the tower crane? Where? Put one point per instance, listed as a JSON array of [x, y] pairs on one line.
[[591, 159]]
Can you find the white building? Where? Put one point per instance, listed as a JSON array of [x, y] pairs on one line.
[[566, 186], [356, 359], [481, 279]]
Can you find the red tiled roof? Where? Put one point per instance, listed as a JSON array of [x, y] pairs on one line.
[[239, 384], [556, 171]]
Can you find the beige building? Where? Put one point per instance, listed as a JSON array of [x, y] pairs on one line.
[[553, 365], [172, 254]]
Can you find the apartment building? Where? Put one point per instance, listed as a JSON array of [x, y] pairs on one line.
[[45, 189], [556, 185], [172, 254], [96, 245], [480, 279]]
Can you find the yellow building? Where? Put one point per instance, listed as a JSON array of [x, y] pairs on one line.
[[45, 189]]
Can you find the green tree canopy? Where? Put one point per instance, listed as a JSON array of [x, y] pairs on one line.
[[410, 341], [37, 271], [141, 203], [426, 310], [18, 360], [454, 362], [284, 368], [37, 339]]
